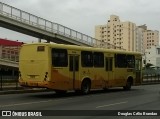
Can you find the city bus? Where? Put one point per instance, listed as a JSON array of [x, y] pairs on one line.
[[63, 67]]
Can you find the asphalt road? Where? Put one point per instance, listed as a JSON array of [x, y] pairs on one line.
[[146, 97]]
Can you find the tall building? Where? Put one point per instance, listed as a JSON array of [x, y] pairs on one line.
[[140, 38], [120, 34], [151, 38]]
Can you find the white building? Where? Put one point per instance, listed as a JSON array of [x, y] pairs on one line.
[[152, 56]]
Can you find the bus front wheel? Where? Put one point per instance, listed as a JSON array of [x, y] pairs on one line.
[[128, 85], [85, 87]]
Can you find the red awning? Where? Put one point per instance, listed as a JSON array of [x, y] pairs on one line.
[[6, 42]]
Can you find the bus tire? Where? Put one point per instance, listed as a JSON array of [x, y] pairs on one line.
[[85, 86], [128, 84]]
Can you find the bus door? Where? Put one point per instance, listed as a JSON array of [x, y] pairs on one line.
[[74, 70], [138, 63], [109, 71]]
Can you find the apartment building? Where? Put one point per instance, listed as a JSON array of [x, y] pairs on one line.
[[140, 38], [120, 34], [151, 38]]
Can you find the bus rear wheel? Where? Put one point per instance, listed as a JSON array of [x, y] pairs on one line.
[[85, 87]]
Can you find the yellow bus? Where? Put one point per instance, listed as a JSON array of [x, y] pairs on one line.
[[68, 67]]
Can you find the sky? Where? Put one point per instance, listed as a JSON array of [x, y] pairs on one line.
[[84, 15]]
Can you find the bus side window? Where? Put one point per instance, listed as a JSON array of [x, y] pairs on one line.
[[87, 59], [59, 57], [98, 59], [130, 61], [120, 61]]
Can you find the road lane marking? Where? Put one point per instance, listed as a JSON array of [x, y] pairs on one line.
[[26, 103], [29, 103], [111, 104]]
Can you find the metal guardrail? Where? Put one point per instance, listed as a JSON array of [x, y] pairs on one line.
[[35, 21], [151, 78], [8, 82]]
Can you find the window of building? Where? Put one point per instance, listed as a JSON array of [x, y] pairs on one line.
[[158, 50], [59, 57], [87, 59]]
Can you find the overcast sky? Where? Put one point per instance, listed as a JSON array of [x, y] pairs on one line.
[[84, 15]]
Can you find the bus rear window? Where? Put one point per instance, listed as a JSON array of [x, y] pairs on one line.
[[40, 48], [59, 57]]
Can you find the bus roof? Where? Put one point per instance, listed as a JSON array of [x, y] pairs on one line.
[[76, 47]]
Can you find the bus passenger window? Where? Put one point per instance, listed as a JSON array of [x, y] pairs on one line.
[[130, 61], [59, 57], [120, 61], [87, 59], [98, 59]]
